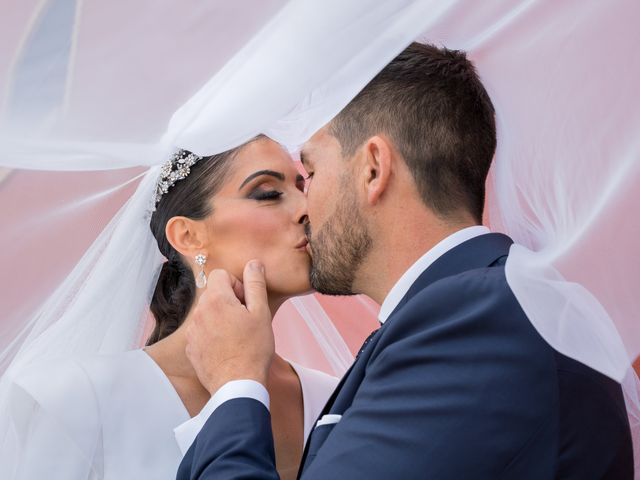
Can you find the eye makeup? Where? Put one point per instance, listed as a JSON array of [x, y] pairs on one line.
[[260, 195], [270, 173]]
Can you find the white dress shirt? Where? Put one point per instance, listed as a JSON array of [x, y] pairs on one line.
[[187, 432]]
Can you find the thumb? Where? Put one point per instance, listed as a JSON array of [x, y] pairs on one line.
[[255, 288]]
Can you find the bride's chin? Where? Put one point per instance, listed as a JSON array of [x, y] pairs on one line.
[[293, 281]]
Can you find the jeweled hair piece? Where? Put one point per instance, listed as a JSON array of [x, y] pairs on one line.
[[177, 168]]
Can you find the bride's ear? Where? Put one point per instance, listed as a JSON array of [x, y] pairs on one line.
[[186, 236]]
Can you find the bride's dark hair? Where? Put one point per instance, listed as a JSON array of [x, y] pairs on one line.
[[176, 288]]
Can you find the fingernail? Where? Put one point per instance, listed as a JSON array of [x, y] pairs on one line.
[[256, 265]]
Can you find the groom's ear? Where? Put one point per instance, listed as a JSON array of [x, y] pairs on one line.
[[377, 167], [186, 235]]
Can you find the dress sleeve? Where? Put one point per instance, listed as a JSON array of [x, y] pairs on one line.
[[52, 425]]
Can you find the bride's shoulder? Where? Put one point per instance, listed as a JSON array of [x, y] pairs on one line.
[[58, 403], [58, 383]]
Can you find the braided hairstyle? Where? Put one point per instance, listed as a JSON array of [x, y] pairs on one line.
[[175, 291]]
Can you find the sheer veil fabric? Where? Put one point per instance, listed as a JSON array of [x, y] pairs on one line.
[[96, 95]]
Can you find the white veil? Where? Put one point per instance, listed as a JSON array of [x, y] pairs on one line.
[[107, 88]]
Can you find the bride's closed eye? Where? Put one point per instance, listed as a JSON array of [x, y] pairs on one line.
[[260, 195]]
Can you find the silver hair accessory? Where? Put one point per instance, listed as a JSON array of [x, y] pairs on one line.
[[175, 169], [201, 278]]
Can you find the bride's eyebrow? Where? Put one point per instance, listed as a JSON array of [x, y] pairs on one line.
[[278, 175]]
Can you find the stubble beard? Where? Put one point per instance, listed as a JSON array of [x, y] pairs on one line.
[[339, 248]]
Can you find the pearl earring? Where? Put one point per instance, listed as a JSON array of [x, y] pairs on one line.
[[201, 278]]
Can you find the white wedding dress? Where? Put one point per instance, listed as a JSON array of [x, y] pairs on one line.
[[109, 417]]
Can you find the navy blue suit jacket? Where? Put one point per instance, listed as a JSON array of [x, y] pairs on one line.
[[457, 384]]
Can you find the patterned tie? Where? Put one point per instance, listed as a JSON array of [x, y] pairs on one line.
[[366, 342]]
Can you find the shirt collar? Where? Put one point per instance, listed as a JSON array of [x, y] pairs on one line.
[[411, 275]]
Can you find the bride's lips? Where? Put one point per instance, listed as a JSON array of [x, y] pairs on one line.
[[302, 244]]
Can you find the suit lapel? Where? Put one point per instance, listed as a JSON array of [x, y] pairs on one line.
[[479, 252]]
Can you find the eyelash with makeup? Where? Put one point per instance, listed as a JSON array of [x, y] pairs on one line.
[[262, 195]]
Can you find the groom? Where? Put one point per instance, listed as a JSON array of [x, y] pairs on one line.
[[456, 384]]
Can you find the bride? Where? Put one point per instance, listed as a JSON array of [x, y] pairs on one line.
[[117, 416]]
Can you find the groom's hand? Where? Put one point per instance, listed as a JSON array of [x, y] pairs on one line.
[[228, 340]]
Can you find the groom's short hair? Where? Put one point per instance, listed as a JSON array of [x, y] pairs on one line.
[[432, 104]]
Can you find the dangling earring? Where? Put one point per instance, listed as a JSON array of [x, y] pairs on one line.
[[201, 278]]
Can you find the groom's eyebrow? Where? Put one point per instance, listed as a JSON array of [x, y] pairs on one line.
[[259, 173]]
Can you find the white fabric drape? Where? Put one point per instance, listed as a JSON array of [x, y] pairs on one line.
[[96, 86]]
